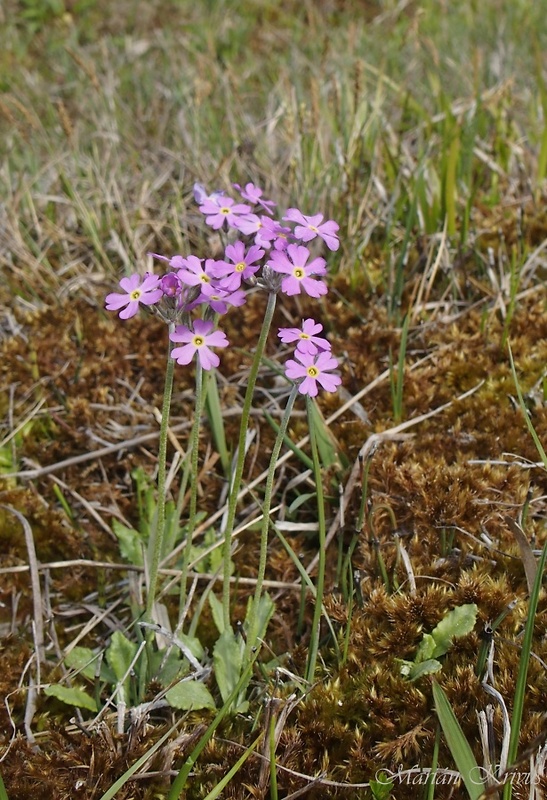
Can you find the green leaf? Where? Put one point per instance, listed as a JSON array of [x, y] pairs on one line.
[[381, 787], [458, 622], [266, 608], [172, 667], [426, 648], [71, 696], [227, 660], [458, 744], [175, 665], [190, 696], [130, 541], [326, 443], [300, 500], [120, 654], [83, 660], [216, 609], [427, 667]]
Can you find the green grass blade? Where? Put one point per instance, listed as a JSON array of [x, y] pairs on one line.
[[307, 582], [434, 767], [180, 781], [3, 793], [451, 191], [399, 377], [115, 788], [458, 744], [308, 463], [520, 690], [216, 419], [214, 793], [527, 419]]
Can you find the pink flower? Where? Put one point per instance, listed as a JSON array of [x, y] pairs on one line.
[[200, 195], [219, 299], [272, 232], [190, 270], [222, 209], [137, 290], [310, 227], [249, 224], [313, 369], [171, 285], [198, 341], [293, 262], [242, 267], [254, 195], [306, 337]]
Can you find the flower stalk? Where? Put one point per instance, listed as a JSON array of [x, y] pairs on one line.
[[266, 508], [158, 530], [320, 584], [194, 454], [240, 461]]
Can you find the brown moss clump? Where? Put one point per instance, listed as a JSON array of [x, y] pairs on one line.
[[443, 494]]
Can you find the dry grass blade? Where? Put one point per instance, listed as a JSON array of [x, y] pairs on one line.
[[38, 621]]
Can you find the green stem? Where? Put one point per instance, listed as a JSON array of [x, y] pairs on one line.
[[266, 507], [320, 585], [194, 453], [158, 531], [236, 482]]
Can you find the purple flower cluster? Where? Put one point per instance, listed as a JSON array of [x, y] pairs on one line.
[[313, 362], [272, 255]]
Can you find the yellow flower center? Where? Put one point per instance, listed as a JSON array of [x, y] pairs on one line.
[[299, 273], [135, 294], [240, 266], [312, 371], [225, 210], [304, 336], [198, 341], [313, 228]]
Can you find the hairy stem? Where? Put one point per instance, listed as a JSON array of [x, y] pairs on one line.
[[236, 481], [158, 531], [314, 642]]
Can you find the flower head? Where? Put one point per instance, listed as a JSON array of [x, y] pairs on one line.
[[227, 210], [242, 267], [270, 231], [136, 290], [249, 224], [199, 340], [220, 299], [191, 272], [253, 194], [171, 285], [312, 369], [308, 228], [293, 263], [201, 195], [305, 337]]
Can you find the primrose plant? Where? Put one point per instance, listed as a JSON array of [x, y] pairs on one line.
[[191, 295]]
